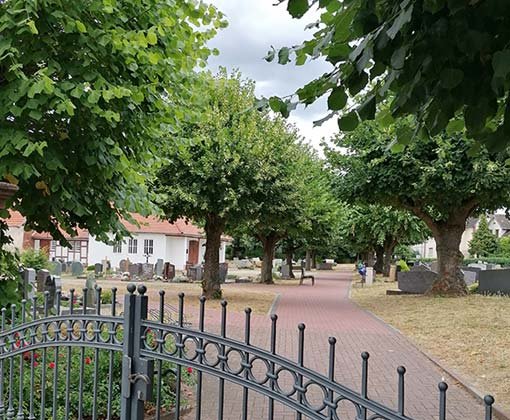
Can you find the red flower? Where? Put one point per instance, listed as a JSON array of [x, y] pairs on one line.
[[52, 365], [190, 370], [27, 356], [36, 356], [36, 364], [88, 360], [18, 343]]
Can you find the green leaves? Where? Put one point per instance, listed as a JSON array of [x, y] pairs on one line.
[[32, 27], [337, 99], [297, 8], [501, 63], [80, 26], [348, 122], [451, 78]]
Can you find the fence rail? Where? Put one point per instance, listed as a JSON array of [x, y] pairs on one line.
[[107, 366]]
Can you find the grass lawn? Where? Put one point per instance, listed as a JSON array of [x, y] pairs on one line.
[[470, 335], [239, 296]]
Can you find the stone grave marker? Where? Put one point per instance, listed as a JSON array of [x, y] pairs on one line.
[[158, 269], [98, 268], [124, 266], [285, 270], [90, 284], [58, 285], [147, 270], [393, 273], [105, 265], [63, 265], [55, 268], [135, 269], [223, 272], [369, 278], [29, 283], [49, 286], [42, 275], [168, 271], [77, 268]]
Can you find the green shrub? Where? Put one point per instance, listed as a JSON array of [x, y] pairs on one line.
[[106, 296], [490, 260], [473, 288], [90, 268], [36, 259], [403, 265]]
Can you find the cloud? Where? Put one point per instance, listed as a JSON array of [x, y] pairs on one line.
[[255, 25]]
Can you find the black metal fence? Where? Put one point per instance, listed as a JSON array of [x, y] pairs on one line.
[[71, 361]]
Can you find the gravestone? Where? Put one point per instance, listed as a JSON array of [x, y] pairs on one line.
[[393, 273], [369, 278], [58, 284], [76, 268], [63, 266], [244, 264], [285, 270], [42, 275], [106, 265], [69, 266], [29, 283], [277, 262], [470, 274], [416, 281], [168, 271], [49, 286], [90, 284], [124, 266], [481, 266], [195, 273], [147, 271], [55, 268], [494, 281], [223, 272], [98, 268], [434, 266], [329, 261], [158, 269]]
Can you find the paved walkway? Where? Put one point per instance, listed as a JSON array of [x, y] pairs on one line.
[[327, 311]]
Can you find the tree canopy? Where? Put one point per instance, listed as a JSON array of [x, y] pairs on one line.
[[446, 62], [85, 93], [434, 178]]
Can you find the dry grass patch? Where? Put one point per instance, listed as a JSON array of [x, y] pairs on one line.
[[238, 297], [471, 334]]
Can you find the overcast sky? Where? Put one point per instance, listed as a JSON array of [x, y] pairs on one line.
[[255, 25]]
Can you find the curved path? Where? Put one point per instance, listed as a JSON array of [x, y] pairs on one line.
[[327, 311]]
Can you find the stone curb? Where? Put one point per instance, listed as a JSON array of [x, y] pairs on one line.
[[500, 413]]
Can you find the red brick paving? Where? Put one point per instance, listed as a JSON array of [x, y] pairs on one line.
[[327, 311]]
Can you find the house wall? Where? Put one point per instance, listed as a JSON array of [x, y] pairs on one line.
[[496, 228], [427, 249], [16, 233], [176, 251]]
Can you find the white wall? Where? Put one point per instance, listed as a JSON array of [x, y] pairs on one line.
[[427, 249], [176, 251], [16, 233]]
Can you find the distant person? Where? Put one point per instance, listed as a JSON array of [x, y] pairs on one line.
[[362, 270]]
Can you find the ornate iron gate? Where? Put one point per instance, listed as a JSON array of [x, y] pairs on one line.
[[74, 362]]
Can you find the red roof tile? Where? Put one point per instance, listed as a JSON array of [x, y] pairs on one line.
[[153, 224], [16, 219]]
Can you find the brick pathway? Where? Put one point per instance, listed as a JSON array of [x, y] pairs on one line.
[[327, 311]]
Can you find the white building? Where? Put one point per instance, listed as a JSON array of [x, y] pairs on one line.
[[499, 225], [178, 243]]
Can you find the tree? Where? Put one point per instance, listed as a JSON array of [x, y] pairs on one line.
[[85, 93], [436, 179], [484, 243], [380, 229], [504, 246], [446, 62]]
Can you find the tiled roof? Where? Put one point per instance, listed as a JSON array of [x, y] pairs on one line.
[[82, 234], [153, 224], [502, 220], [15, 219]]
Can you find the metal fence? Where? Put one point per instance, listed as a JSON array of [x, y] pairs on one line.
[[73, 362]]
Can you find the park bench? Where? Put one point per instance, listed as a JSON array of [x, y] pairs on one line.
[[304, 276]]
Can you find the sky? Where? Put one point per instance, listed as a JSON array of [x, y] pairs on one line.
[[255, 25]]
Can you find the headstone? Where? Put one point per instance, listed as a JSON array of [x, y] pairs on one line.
[[135, 269], [124, 266], [494, 281], [106, 265], [434, 266], [285, 270], [77, 268], [49, 286], [55, 268], [98, 268], [369, 278], [470, 275], [147, 271], [69, 266], [481, 266], [418, 281], [223, 272], [158, 269], [244, 264], [393, 273], [325, 266], [63, 265], [195, 273], [29, 283], [42, 275], [168, 271], [90, 284], [58, 284], [329, 261]]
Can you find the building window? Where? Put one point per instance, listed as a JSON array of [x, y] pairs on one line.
[[148, 246], [133, 246], [117, 247]]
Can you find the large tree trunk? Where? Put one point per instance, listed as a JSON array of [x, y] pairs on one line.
[[211, 286], [308, 260], [269, 244], [389, 247], [288, 257], [379, 259], [314, 259], [450, 280]]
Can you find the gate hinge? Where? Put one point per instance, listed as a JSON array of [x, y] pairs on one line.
[[141, 380]]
